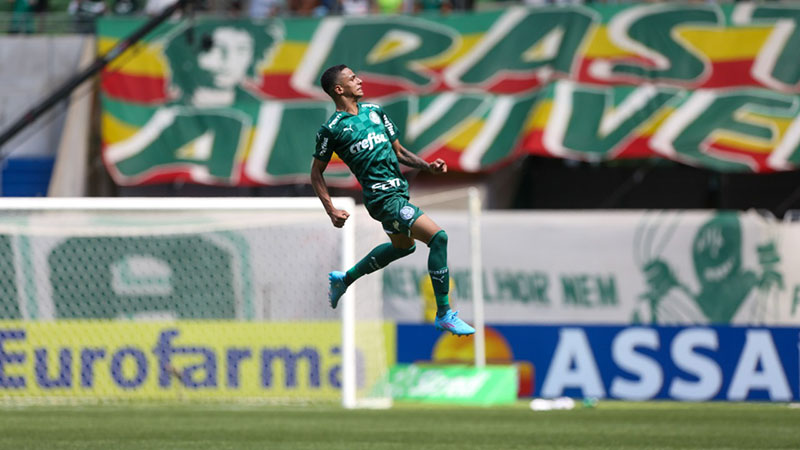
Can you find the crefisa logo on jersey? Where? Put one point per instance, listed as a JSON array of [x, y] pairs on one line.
[[368, 143], [374, 117]]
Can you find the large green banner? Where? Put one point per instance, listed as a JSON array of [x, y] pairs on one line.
[[623, 267], [236, 102]]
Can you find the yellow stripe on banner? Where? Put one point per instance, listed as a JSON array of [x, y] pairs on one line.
[[139, 60], [717, 44], [745, 145], [782, 124], [115, 130], [286, 59], [465, 134], [540, 116], [465, 44], [651, 125], [727, 44], [753, 144], [249, 146], [600, 45]]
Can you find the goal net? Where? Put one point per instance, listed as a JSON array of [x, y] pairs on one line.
[[196, 299]]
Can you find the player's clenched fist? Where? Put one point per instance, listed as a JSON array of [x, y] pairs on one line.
[[438, 166], [338, 216]]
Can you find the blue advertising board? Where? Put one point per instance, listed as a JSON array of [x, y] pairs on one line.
[[630, 362]]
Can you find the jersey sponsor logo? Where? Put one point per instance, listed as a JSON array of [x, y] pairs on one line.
[[369, 143], [334, 121], [389, 184], [373, 116], [323, 147], [406, 212], [348, 128], [388, 124]]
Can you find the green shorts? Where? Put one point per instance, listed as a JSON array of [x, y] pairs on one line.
[[396, 214]]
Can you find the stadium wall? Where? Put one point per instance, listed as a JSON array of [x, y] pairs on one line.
[[614, 267], [629, 305], [33, 65]]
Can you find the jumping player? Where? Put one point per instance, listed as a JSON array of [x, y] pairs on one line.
[[366, 139]]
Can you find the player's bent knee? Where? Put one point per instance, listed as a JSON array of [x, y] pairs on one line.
[[438, 240], [401, 252], [409, 250]]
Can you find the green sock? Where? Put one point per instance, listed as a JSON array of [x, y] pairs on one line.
[[378, 258], [440, 274]]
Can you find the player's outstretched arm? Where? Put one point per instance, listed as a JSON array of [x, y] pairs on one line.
[[409, 159], [338, 216]]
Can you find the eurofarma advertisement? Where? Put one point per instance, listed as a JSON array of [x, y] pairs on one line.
[[175, 305], [173, 361]]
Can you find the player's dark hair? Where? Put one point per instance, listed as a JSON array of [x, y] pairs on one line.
[[330, 77]]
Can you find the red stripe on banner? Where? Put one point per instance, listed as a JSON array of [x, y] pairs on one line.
[[731, 74], [722, 74], [533, 143], [279, 86], [511, 85], [637, 148], [450, 155], [134, 88], [374, 88], [245, 180]]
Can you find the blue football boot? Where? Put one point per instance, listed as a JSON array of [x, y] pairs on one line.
[[337, 288], [450, 322]]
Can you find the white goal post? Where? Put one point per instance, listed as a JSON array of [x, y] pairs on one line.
[[187, 298]]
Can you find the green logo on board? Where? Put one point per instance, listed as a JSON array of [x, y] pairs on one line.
[[726, 288]]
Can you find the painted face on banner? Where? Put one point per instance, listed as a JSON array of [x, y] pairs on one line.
[[211, 59], [229, 57]]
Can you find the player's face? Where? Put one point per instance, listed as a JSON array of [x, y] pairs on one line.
[[350, 84]]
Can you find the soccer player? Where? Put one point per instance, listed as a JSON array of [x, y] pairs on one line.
[[366, 140]]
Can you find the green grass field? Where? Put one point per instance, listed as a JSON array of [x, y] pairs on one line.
[[611, 425]]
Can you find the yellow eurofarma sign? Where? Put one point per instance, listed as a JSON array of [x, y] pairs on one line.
[[177, 360]]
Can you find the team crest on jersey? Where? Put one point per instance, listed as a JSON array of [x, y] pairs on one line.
[[374, 117], [406, 212]]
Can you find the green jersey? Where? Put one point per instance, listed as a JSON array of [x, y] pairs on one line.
[[364, 142]]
